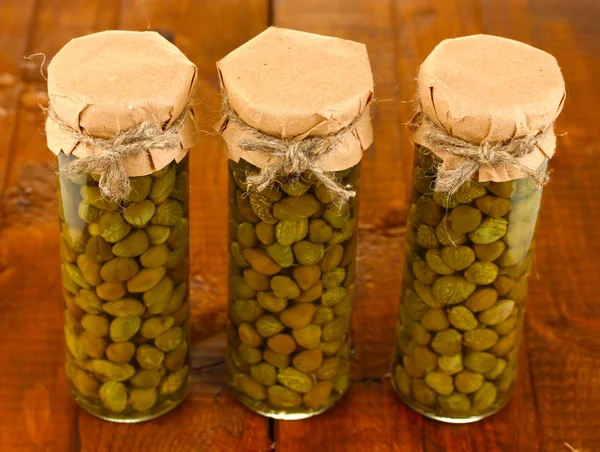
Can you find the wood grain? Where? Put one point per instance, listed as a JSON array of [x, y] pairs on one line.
[[558, 391]]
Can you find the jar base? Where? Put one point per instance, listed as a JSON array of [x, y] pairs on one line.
[[283, 414], [101, 413], [448, 419]]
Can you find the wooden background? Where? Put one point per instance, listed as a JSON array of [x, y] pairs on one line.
[[557, 400]]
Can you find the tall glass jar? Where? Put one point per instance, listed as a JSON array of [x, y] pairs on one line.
[[466, 269], [292, 266], [125, 278]]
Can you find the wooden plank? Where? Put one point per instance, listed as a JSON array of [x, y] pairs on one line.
[[205, 421], [16, 18], [563, 312]]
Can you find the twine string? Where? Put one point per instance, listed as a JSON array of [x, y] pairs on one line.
[[109, 154], [289, 157], [474, 157]]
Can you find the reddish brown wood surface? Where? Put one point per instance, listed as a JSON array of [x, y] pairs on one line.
[[557, 400]]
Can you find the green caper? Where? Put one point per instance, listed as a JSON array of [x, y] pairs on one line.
[[142, 400], [92, 345], [452, 289], [462, 318], [277, 360], [145, 279], [110, 370], [319, 396], [456, 404], [469, 191], [157, 235], [447, 236], [111, 291], [98, 250], [465, 218], [331, 258], [423, 272], [264, 373], [308, 253], [435, 320], [93, 196], [481, 273], [282, 344], [422, 392], [306, 275], [309, 336], [480, 339], [256, 281], [124, 328], [140, 188], [139, 214], [281, 254], [125, 307], [90, 270], [457, 258], [174, 381], [270, 302], [119, 269], [295, 380], [440, 382], [425, 237], [239, 288], [120, 352], [490, 230], [451, 364], [485, 397], [447, 342], [261, 261], [149, 357], [433, 257], [468, 382], [489, 252], [481, 362], [265, 232], [168, 213], [283, 397], [96, 325], [298, 316], [319, 231], [249, 354], [503, 189], [146, 378], [497, 313], [269, 325], [113, 227], [135, 244], [163, 186], [312, 294], [114, 396]]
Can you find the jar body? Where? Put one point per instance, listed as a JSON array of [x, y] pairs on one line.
[[292, 265], [125, 287], [466, 270]]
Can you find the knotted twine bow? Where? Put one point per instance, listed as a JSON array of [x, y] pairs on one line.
[[474, 157], [292, 157], [110, 153]]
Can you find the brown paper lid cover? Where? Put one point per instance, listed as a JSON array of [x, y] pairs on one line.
[[291, 84], [108, 82], [488, 89]]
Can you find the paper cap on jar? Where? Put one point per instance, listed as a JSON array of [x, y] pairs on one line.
[[291, 85], [106, 83], [488, 89]]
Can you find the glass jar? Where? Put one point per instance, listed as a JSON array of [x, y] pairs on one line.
[[466, 269], [292, 266], [125, 278]]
